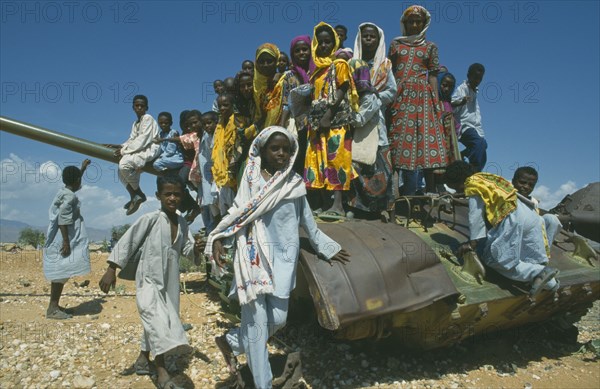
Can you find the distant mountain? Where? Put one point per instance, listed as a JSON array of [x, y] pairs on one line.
[[10, 229]]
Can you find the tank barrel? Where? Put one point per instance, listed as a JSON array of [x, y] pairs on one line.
[[40, 134]]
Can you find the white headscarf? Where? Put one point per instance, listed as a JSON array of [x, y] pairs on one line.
[[414, 40], [252, 261], [381, 64]]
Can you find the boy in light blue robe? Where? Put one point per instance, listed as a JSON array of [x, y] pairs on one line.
[[507, 225], [170, 155], [66, 252], [209, 206]]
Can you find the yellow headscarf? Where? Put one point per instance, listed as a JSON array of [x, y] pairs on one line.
[[322, 62], [261, 82], [498, 194], [268, 101], [327, 61]]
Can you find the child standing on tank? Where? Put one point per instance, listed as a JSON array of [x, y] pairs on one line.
[[209, 207]]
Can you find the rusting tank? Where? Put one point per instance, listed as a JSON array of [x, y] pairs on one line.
[[406, 283]]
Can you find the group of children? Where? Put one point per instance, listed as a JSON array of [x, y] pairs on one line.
[[336, 121]]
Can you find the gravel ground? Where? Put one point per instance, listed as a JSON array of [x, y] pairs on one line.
[[102, 340]]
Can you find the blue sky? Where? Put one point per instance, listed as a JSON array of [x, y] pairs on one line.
[[74, 66]]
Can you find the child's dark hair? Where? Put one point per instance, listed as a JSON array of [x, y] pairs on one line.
[[174, 179], [71, 175], [210, 115], [525, 170], [167, 115], [458, 172], [450, 76], [182, 117], [281, 53], [476, 68], [341, 27], [238, 77], [325, 28], [192, 113], [140, 97]]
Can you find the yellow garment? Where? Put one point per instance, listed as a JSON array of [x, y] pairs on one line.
[[268, 98], [323, 63], [222, 153], [328, 161], [498, 194]]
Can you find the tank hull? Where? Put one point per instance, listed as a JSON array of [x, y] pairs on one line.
[[406, 284]]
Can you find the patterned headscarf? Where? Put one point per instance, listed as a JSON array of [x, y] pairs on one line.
[[252, 261], [296, 68], [323, 62], [419, 39], [381, 63], [497, 193]]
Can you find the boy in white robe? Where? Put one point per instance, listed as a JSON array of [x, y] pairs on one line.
[[160, 237], [66, 252], [138, 150]]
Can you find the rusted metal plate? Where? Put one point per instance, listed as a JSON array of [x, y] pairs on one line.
[[392, 270]]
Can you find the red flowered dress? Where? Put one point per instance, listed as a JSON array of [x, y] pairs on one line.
[[417, 138]]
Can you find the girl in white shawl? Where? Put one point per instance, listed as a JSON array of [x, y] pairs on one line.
[[269, 208]]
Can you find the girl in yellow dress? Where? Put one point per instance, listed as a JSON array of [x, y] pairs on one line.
[[328, 164]]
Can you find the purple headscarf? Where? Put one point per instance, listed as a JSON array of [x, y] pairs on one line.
[[296, 68]]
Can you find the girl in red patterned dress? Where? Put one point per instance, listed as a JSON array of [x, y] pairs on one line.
[[416, 135]]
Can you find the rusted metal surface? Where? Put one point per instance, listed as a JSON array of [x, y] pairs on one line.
[[580, 211], [392, 270]]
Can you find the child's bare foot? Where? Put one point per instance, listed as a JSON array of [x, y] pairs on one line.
[[57, 314], [163, 379]]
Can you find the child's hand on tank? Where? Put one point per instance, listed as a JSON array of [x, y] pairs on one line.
[[108, 280], [65, 250], [199, 245], [86, 162], [465, 248], [117, 153], [342, 256], [218, 252]]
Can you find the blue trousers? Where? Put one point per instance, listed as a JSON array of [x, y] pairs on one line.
[[476, 147], [261, 318]]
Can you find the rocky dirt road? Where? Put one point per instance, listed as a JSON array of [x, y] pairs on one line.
[[102, 340]]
